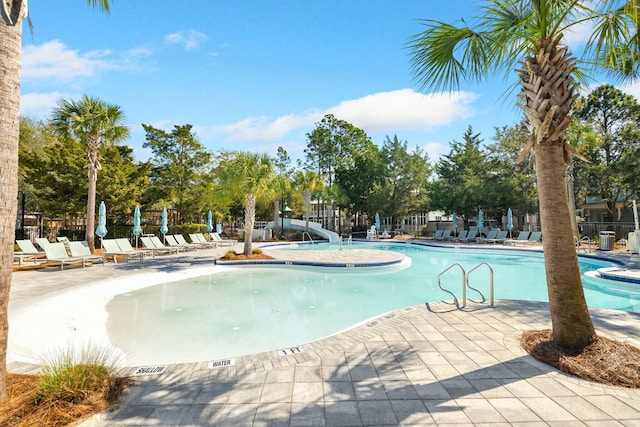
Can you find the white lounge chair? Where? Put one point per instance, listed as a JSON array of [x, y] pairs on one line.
[[28, 252], [222, 242], [172, 242], [150, 245], [112, 249], [81, 250], [199, 238], [125, 246], [57, 253], [42, 241], [183, 242]]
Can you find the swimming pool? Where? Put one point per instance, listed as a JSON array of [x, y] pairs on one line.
[[244, 311]]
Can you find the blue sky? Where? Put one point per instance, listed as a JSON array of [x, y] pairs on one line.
[[254, 75]]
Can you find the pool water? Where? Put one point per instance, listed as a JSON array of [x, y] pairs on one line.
[[245, 311]]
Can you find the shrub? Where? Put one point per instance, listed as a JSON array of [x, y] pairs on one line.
[[72, 374], [256, 251], [229, 255]]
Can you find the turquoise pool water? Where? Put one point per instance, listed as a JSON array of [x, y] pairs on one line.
[[246, 311]]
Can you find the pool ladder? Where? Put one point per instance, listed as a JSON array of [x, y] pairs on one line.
[[306, 233], [340, 241], [465, 284], [584, 239]]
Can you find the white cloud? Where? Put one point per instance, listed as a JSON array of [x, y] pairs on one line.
[[391, 112], [404, 109], [54, 61], [189, 39], [38, 105]]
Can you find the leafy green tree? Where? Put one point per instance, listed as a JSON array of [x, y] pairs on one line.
[[357, 182], [123, 184], [462, 178], [309, 182], [247, 174], [614, 114], [512, 183], [529, 36], [180, 163], [399, 190], [55, 173], [334, 144], [94, 123], [14, 11], [280, 186]]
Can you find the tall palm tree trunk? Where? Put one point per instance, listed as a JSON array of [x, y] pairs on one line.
[[249, 220], [93, 167], [10, 58], [548, 92]]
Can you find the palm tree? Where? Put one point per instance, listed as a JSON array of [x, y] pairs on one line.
[[529, 34], [93, 122], [249, 174], [310, 182], [12, 12]]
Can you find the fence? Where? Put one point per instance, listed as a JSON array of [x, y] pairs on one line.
[[592, 229]]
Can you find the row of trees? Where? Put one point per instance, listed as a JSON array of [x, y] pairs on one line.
[[342, 166]]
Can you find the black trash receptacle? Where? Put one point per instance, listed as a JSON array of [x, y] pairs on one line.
[[607, 238]]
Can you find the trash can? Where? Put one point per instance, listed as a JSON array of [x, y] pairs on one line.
[[606, 240]]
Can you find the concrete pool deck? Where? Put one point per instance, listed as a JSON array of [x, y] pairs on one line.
[[427, 364]]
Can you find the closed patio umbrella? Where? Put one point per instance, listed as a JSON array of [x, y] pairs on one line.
[[509, 221], [377, 221], [209, 222], [101, 230], [480, 224], [164, 228], [137, 228]]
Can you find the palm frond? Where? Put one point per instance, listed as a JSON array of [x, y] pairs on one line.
[[614, 44], [445, 54]]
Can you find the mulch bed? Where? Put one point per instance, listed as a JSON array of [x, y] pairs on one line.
[[604, 361]]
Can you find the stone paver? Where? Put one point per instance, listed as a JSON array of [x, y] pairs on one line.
[[403, 371]]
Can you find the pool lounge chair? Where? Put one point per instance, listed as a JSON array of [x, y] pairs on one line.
[[470, 237], [534, 237], [438, 235], [42, 241], [523, 236], [500, 237], [222, 242], [172, 242], [28, 252], [125, 246], [81, 250], [490, 235], [57, 254], [199, 238], [150, 245], [445, 235], [183, 242], [461, 236], [112, 249]]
